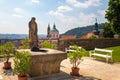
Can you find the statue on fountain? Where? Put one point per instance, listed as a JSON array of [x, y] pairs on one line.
[[33, 37]]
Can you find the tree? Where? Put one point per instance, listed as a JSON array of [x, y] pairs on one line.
[[113, 15], [107, 31], [25, 43], [47, 44]]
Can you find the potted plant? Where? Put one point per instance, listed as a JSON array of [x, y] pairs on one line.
[[75, 59], [6, 50], [22, 64]]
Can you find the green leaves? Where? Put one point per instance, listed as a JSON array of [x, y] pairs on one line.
[[25, 43], [22, 62], [75, 56], [107, 30], [113, 15], [47, 44], [6, 50]]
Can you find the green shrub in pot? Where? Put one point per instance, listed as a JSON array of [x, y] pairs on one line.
[[22, 63]]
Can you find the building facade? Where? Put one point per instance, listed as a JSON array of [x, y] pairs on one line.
[[52, 33]]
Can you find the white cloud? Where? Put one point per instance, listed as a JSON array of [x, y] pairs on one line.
[[55, 13], [35, 1], [87, 19], [17, 15], [81, 20], [18, 12], [60, 10], [84, 4], [64, 8], [68, 22], [102, 13], [0, 14]]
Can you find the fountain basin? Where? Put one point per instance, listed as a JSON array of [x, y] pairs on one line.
[[46, 62]]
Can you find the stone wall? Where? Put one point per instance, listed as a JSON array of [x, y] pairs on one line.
[[89, 43]]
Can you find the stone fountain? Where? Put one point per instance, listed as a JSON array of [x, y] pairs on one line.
[[46, 63], [43, 61]]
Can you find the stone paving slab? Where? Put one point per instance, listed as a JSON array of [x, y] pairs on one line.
[[90, 69], [98, 69]]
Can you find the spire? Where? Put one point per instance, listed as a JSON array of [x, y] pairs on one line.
[[96, 20], [48, 31], [96, 24], [96, 27], [48, 26], [54, 26]]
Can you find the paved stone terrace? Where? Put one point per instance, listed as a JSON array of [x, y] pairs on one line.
[[89, 70]]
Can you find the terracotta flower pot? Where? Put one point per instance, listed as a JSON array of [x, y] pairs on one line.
[[7, 65], [75, 71], [25, 77]]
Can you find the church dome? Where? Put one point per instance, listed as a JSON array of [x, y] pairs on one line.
[[54, 29]]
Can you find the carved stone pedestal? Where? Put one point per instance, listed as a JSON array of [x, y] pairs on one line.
[[46, 62]]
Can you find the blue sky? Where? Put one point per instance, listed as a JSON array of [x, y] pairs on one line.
[[66, 14]]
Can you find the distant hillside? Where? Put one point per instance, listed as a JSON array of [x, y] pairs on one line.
[[17, 36], [79, 31]]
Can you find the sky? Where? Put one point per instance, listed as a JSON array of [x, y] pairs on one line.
[[66, 14]]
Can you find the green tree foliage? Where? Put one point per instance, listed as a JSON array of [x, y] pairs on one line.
[[47, 44], [107, 31], [25, 43], [93, 37], [75, 56], [113, 15], [6, 50]]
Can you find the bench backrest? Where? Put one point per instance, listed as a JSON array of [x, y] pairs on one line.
[[103, 50], [78, 47]]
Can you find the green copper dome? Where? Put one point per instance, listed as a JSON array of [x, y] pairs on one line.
[[54, 29]]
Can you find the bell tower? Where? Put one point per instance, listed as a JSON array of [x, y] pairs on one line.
[[48, 31]]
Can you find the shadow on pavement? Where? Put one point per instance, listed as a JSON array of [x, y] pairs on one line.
[[104, 61], [8, 72], [64, 76]]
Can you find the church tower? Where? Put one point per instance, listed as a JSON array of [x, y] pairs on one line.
[[96, 28], [48, 31], [54, 32], [54, 26]]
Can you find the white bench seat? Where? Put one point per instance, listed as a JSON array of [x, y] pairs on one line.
[[107, 53], [101, 55], [69, 49]]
